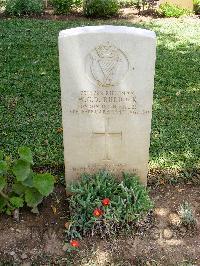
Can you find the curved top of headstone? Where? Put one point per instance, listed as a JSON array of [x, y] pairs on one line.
[[107, 29]]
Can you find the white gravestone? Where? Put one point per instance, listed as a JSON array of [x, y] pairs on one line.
[[107, 79]]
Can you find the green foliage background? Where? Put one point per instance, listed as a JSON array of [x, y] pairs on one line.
[[23, 7], [170, 10], [196, 4], [100, 8], [30, 109], [65, 6]]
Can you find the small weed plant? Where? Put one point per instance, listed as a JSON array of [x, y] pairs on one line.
[[196, 6], [23, 7], [186, 214], [19, 185], [65, 6], [171, 10], [101, 8], [2, 3], [126, 3], [145, 4], [101, 204]]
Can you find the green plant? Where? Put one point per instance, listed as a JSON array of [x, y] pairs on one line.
[[186, 214], [142, 4], [2, 3], [102, 204], [65, 6], [100, 8], [19, 185], [126, 3], [171, 10], [23, 7], [196, 6]]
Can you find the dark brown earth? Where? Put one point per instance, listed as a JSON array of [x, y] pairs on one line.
[[161, 240]]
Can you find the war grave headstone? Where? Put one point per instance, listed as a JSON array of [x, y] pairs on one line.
[[107, 80]]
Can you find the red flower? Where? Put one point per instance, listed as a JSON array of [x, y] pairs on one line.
[[106, 202], [97, 212], [74, 243]]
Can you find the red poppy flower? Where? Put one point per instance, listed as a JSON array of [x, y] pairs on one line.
[[97, 212], [105, 202], [74, 243]]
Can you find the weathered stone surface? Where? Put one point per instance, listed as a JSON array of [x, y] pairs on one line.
[[107, 82]]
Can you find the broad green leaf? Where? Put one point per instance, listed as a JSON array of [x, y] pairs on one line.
[[21, 170], [25, 154], [28, 182], [18, 188], [17, 202], [1, 155], [44, 183], [3, 183], [2, 204], [33, 197], [3, 167]]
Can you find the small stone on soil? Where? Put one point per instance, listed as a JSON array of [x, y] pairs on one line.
[[167, 233], [12, 253], [174, 219], [26, 264], [24, 256]]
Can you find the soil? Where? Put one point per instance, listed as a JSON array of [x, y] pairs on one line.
[[158, 240]]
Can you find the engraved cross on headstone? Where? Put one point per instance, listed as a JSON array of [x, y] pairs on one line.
[[107, 134]]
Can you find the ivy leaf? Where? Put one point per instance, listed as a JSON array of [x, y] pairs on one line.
[[3, 183], [17, 202], [3, 167], [33, 197], [21, 170], [19, 188], [44, 183], [25, 154]]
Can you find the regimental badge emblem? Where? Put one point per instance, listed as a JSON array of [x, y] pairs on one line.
[[106, 65]]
